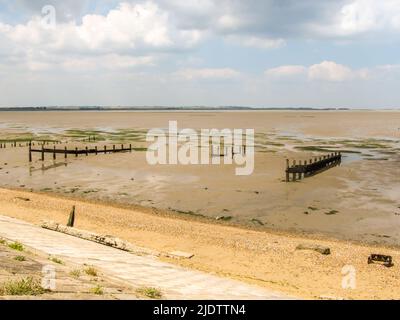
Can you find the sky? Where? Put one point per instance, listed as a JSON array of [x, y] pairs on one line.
[[258, 53]]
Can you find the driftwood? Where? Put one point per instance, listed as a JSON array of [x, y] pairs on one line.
[[102, 239], [315, 247]]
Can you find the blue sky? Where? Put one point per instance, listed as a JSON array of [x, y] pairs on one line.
[[265, 53]]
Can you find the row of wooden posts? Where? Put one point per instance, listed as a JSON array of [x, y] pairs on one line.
[[313, 166], [14, 144], [86, 151], [227, 150]]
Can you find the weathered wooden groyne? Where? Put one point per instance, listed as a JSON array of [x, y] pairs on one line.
[[75, 152], [230, 150], [313, 166], [14, 144]]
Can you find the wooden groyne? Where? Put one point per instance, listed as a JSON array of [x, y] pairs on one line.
[[14, 144], [224, 151], [75, 152], [313, 166]]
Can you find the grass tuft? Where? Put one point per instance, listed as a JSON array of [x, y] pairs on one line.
[[75, 273], [56, 260], [97, 290], [152, 293], [20, 258], [23, 287], [90, 271], [16, 246]]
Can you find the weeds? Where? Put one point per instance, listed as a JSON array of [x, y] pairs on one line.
[[152, 293], [20, 258], [97, 290], [16, 246], [22, 287], [90, 271]]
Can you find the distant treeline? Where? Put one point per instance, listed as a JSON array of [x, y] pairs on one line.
[[155, 108]]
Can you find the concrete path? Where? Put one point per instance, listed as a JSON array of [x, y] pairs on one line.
[[174, 282]]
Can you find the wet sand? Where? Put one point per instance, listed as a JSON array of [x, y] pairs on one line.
[[357, 201]]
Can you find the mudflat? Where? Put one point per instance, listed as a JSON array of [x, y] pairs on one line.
[[356, 201], [244, 227]]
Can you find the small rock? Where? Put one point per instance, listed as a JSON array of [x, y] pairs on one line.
[[223, 218], [23, 199], [315, 247], [180, 255]]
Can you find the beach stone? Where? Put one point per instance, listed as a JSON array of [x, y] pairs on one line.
[[180, 255], [22, 199], [315, 247]]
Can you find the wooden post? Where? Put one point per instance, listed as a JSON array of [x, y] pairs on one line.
[[294, 173], [130, 147], [105, 149], [114, 148], [287, 170], [95, 149], [76, 152], [65, 152], [300, 172], [86, 149], [42, 153], [122, 147], [54, 153], [71, 219], [30, 153]]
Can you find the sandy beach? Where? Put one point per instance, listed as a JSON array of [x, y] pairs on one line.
[[268, 259]]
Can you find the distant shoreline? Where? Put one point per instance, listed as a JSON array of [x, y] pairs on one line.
[[183, 109], [160, 108]]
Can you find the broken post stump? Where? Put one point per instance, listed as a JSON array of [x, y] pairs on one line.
[[71, 219]]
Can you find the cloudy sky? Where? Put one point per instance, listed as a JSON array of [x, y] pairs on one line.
[[265, 53]]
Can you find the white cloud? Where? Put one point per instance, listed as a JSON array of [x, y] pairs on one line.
[[362, 17], [256, 42], [107, 62], [286, 71], [129, 35], [129, 26], [330, 71], [229, 22], [324, 71], [207, 73]]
